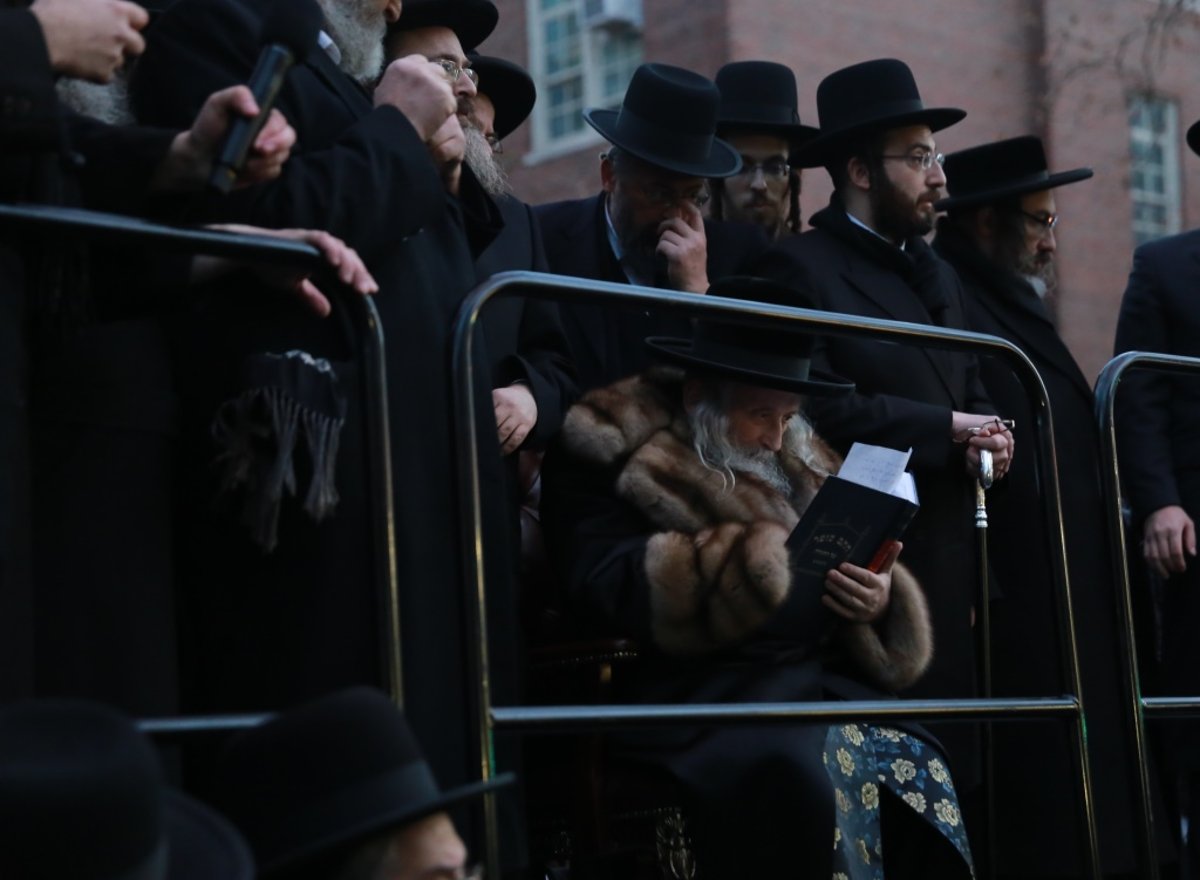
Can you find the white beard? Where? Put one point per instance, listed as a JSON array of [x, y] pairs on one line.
[[483, 162], [106, 102], [358, 28]]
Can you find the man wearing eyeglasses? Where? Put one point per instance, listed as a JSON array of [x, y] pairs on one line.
[[999, 235], [646, 226], [866, 256], [758, 118]]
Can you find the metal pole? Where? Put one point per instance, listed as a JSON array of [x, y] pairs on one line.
[[982, 484]]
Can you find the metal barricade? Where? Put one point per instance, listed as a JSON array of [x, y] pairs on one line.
[[1139, 707], [99, 226], [489, 718]]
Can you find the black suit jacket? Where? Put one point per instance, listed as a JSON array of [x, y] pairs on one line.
[[275, 629], [607, 343], [1158, 416]]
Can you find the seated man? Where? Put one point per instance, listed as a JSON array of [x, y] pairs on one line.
[[339, 788], [667, 507]]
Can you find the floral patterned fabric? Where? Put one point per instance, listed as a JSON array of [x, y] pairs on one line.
[[860, 758]]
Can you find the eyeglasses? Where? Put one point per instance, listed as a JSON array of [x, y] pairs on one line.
[[773, 167], [454, 70], [664, 197], [918, 160], [1045, 222]]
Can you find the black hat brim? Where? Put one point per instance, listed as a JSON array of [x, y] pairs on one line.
[[679, 351], [823, 148], [723, 160], [471, 22], [1193, 137], [383, 818], [203, 844], [510, 89], [995, 194]]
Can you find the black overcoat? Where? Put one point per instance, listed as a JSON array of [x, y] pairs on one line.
[[1158, 427], [607, 343], [273, 629], [905, 397], [1026, 649]]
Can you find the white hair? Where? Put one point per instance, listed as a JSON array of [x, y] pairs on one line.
[[481, 159], [358, 29]]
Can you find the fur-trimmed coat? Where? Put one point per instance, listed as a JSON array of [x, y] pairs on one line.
[[652, 543]]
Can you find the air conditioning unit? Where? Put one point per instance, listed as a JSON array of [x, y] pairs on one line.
[[612, 15]]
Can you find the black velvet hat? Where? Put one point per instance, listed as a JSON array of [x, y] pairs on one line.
[[1193, 137], [328, 774], [869, 97], [471, 20], [82, 796], [669, 119], [770, 358], [760, 96], [988, 173], [510, 88]]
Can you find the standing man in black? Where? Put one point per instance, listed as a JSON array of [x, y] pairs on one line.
[[999, 237], [759, 119], [379, 165], [866, 256], [646, 227], [1158, 428]]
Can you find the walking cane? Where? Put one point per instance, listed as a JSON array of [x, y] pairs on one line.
[[982, 484]]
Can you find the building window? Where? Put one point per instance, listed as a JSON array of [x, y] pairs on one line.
[[582, 54], [1154, 167]]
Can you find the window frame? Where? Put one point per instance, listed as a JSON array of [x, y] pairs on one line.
[[1171, 197]]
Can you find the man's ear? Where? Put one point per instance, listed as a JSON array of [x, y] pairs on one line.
[[986, 224], [858, 173], [608, 174], [693, 393]]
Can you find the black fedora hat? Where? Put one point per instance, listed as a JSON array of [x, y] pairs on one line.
[[760, 96], [984, 174], [510, 89], [869, 97], [1193, 137], [669, 119], [328, 773], [82, 798], [471, 20], [770, 358]]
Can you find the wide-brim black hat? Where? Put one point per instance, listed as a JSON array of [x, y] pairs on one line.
[[869, 97], [1004, 169], [329, 773], [510, 89], [761, 96], [1193, 137], [82, 795], [767, 358], [471, 20], [669, 119]]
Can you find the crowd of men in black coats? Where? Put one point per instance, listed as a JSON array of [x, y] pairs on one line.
[[185, 498]]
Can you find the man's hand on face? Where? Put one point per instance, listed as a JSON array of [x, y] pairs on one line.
[[516, 414], [447, 147], [1169, 533], [681, 240], [189, 161], [90, 39], [418, 88]]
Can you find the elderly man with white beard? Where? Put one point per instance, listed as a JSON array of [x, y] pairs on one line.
[[266, 629], [668, 505]]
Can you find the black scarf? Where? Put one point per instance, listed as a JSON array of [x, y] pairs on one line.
[[917, 264]]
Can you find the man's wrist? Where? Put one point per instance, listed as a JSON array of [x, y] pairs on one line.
[[184, 167]]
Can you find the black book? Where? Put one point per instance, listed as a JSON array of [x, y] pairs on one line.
[[851, 522]]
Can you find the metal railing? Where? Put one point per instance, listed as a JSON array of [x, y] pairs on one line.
[[490, 718], [75, 223], [1139, 707]]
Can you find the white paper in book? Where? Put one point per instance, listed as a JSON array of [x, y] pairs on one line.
[[881, 469]]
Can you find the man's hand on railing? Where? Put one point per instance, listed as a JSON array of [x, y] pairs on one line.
[[339, 256]]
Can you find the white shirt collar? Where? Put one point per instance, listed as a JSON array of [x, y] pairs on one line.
[[862, 225], [326, 42]]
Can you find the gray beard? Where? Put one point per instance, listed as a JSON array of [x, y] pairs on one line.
[[763, 466], [108, 102], [483, 162], [358, 28], [710, 439]]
